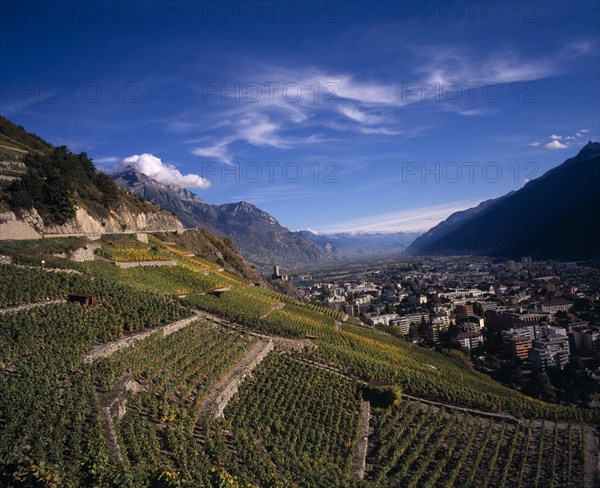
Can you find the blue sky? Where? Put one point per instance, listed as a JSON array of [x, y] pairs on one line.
[[332, 116]]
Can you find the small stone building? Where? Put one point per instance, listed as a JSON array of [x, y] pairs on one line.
[[82, 298]]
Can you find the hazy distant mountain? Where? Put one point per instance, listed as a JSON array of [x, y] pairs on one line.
[[257, 235], [555, 215], [347, 245]]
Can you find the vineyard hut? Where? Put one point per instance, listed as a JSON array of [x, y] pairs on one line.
[[82, 298], [219, 291]]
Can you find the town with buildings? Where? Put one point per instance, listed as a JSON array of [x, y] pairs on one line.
[[532, 325]]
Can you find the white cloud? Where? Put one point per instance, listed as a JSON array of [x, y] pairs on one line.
[[358, 115], [377, 93], [475, 111], [259, 130], [558, 141], [445, 65], [217, 151], [508, 68], [379, 130], [578, 48], [416, 219], [165, 173], [368, 105], [106, 160], [555, 144]]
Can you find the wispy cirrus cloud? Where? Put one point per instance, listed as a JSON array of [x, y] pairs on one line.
[[259, 130], [217, 151], [358, 115], [285, 103], [579, 48]]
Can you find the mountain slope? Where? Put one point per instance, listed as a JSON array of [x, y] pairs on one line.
[[258, 235], [16, 137], [453, 222], [50, 190], [554, 215]]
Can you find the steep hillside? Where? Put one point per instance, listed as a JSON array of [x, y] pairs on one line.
[[452, 223], [50, 190], [148, 387], [552, 216], [16, 137]]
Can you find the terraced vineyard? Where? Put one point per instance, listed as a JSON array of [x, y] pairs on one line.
[[369, 354], [418, 445], [176, 373], [177, 249], [124, 255], [243, 305], [25, 285], [178, 369], [328, 312], [173, 280], [295, 419], [49, 414]]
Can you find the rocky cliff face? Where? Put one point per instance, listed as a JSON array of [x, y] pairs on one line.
[[29, 224]]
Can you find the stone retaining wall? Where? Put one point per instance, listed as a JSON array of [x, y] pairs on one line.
[[217, 399], [134, 264], [105, 350], [232, 387], [360, 456]]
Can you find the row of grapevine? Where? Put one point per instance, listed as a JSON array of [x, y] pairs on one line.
[[300, 420], [199, 261], [231, 279], [48, 408], [25, 285], [177, 249], [171, 280], [369, 354], [133, 254], [418, 446], [77, 328], [322, 310], [241, 305], [176, 371]]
